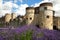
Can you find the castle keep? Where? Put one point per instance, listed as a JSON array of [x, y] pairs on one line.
[[41, 16]]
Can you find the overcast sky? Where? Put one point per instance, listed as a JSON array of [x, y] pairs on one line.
[[18, 6]]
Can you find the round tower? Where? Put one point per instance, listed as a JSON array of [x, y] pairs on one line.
[[29, 15], [7, 17], [46, 15]]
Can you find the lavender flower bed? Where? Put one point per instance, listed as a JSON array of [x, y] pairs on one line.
[[28, 33]]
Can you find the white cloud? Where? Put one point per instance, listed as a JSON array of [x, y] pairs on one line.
[[56, 7], [18, 0], [9, 5], [22, 9], [0, 4], [7, 8], [15, 1], [21, 1], [0, 8], [35, 5]]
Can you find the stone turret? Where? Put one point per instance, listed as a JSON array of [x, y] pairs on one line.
[[30, 15], [7, 17], [46, 15]]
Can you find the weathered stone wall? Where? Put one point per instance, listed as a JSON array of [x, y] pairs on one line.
[[59, 23], [42, 15], [56, 22], [46, 16], [36, 16], [7, 17], [48, 19], [30, 16], [13, 16]]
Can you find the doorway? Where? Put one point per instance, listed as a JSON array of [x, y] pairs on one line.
[[55, 27], [37, 26]]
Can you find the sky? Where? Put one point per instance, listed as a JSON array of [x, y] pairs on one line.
[[19, 6]]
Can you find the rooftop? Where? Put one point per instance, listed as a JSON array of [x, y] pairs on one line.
[[46, 3]]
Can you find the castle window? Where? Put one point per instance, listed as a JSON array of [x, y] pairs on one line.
[[47, 16], [30, 18], [53, 13], [26, 18], [45, 8]]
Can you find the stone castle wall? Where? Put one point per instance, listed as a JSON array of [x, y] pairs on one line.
[[30, 15], [56, 22], [42, 16], [7, 18], [46, 16]]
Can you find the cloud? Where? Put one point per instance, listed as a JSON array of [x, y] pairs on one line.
[[35, 5], [22, 9], [21, 1], [7, 8], [0, 8], [10, 4], [15, 1], [18, 0], [0, 4], [56, 7]]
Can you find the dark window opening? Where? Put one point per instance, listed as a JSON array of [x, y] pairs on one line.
[[47, 16], [55, 27], [26, 18], [45, 8], [37, 26], [53, 13], [30, 18]]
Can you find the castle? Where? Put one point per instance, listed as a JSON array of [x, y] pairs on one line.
[[42, 16], [12, 20], [9, 17]]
